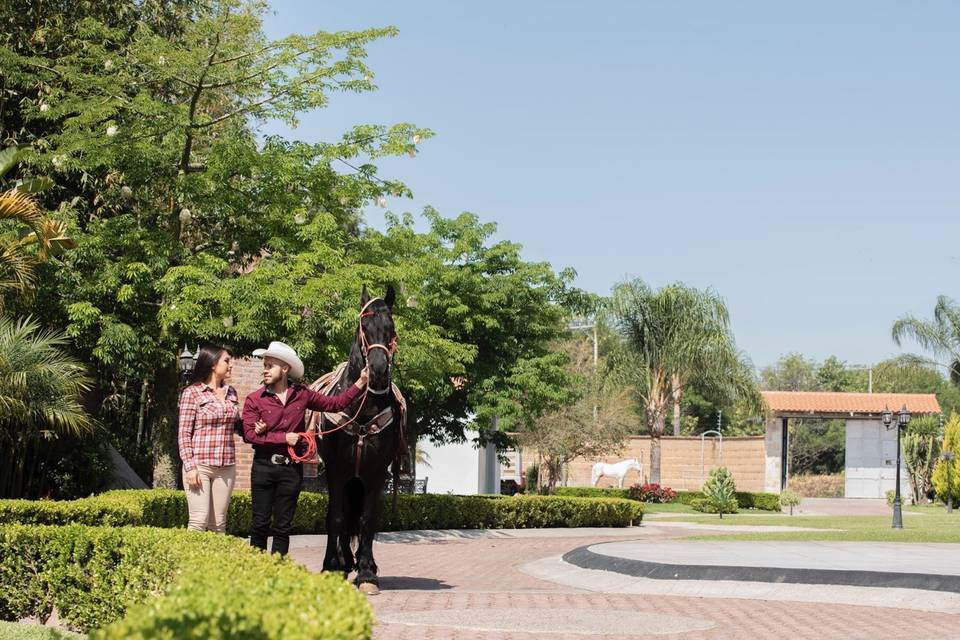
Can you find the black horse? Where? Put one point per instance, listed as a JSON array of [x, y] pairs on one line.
[[359, 444]]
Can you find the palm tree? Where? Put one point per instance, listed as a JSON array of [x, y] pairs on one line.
[[18, 258], [40, 388], [671, 337], [940, 335]]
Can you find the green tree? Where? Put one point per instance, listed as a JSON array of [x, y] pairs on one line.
[[40, 389], [593, 421], [720, 493], [905, 374], [21, 253], [942, 477], [792, 372], [476, 334], [671, 335], [940, 336], [921, 448], [146, 113]]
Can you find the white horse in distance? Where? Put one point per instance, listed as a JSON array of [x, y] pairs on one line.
[[618, 470]]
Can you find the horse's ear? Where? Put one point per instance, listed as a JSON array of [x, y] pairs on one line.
[[390, 296], [364, 296]]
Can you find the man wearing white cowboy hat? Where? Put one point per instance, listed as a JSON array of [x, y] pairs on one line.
[[273, 416]]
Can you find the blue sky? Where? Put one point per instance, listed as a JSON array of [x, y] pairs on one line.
[[800, 158]]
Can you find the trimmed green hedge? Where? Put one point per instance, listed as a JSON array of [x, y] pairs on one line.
[[746, 499], [167, 508], [134, 582], [592, 492]]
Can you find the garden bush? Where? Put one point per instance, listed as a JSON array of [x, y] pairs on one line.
[[789, 499], [746, 499], [591, 492], [818, 485], [139, 582], [167, 508], [652, 492], [719, 493]]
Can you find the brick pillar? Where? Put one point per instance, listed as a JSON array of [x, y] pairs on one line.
[[247, 377]]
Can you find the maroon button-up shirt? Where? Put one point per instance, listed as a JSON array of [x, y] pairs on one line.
[[282, 419]]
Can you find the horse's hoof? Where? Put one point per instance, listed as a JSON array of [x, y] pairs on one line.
[[369, 589]]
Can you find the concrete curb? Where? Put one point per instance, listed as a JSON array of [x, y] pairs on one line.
[[584, 558]]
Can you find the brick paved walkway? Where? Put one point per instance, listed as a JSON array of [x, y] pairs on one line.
[[470, 577]]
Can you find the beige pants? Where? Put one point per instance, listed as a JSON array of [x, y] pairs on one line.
[[208, 505]]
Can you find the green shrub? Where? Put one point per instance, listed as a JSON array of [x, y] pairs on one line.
[[167, 508], [789, 499], [719, 493], [818, 485], [763, 501], [135, 582], [745, 499], [950, 448], [592, 492]]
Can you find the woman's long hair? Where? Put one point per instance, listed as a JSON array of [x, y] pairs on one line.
[[207, 359]]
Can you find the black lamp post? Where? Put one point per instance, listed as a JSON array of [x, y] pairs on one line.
[[185, 364], [903, 419]]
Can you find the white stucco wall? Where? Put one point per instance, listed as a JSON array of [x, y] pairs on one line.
[[454, 468], [773, 446], [871, 460]]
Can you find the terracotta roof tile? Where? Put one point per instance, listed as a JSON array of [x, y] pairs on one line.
[[804, 402]]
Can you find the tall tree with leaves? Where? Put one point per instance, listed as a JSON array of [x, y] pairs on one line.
[[40, 389], [146, 113], [593, 420], [669, 336], [939, 335]]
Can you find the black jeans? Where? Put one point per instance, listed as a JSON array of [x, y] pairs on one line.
[[274, 489]]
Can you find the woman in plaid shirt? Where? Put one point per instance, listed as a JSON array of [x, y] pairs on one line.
[[209, 409]]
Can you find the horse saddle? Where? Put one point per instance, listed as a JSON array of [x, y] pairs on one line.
[[371, 428], [326, 384]]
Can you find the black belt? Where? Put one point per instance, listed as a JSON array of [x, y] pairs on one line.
[[275, 458]]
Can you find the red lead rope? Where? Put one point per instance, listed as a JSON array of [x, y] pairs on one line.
[[311, 437], [311, 452]]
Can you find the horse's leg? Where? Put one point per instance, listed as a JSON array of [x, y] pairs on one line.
[[333, 559], [369, 522]]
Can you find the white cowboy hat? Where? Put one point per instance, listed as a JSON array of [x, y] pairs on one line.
[[285, 354]]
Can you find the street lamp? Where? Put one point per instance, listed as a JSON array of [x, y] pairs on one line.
[[186, 362], [903, 419]]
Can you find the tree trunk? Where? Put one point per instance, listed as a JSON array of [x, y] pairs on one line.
[[166, 457], [676, 391], [655, 425], [655, 458]]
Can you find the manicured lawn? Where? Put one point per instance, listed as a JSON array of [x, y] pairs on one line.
[[669, 507], [14, 631], [920, 524]]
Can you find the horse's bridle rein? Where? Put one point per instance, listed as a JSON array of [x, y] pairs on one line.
[[366, 347]]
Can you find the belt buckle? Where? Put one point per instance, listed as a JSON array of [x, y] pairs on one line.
[[278, 458]]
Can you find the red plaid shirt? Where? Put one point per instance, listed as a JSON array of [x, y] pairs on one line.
[[205, 435]]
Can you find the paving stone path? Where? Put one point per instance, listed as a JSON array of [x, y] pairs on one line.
[[471, 586]]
